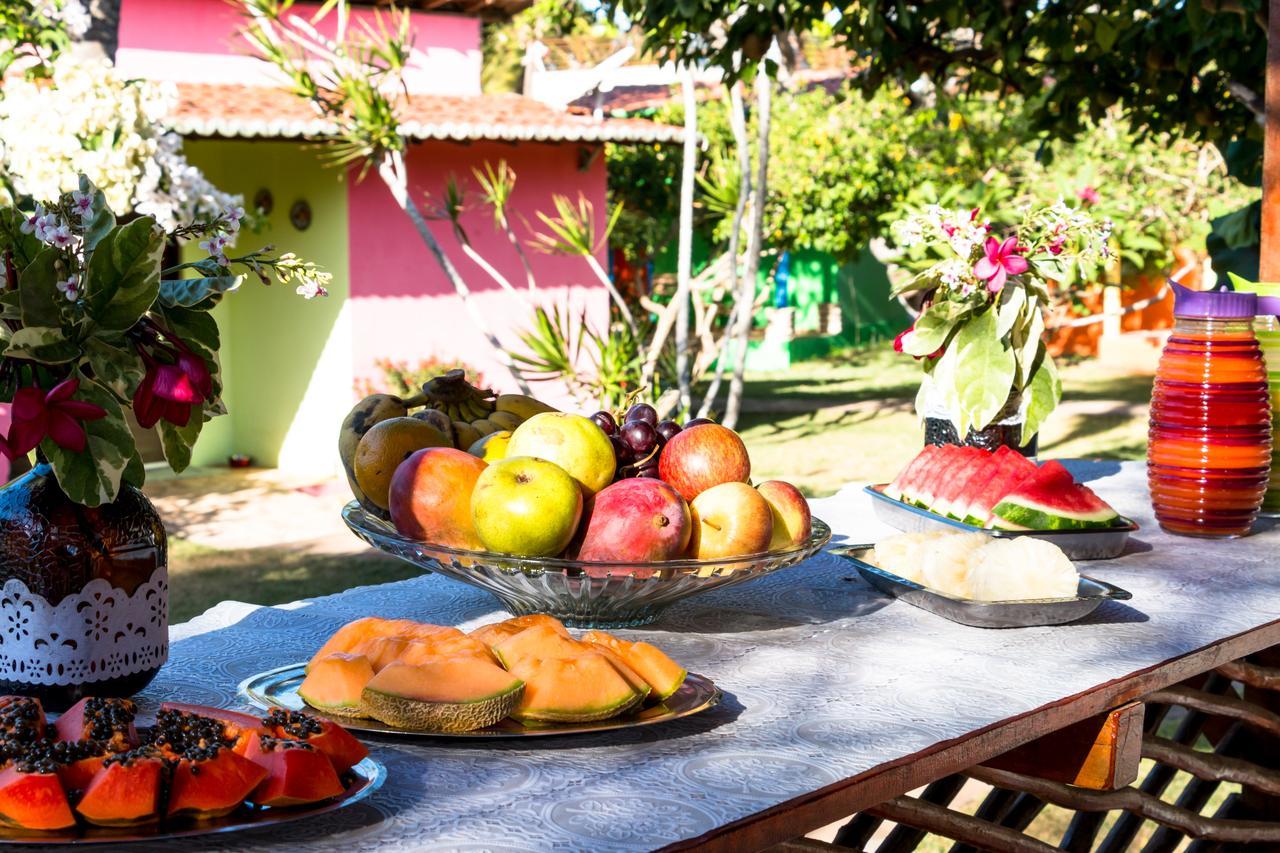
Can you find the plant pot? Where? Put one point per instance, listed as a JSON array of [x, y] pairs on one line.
[[1005, 431], [84, 593]]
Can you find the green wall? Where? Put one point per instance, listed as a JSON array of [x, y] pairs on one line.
[[285, 360]]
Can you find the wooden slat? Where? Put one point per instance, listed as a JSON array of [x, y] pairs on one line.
[[818, 808], [1101, 753], [962, 827]]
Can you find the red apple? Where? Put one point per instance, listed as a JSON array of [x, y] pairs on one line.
[[639, 519], [707, 455], [730, 520], [431, 497], [792, 521]]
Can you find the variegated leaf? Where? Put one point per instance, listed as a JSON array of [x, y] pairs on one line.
[[42, 343], [177, 442], [123, 276]]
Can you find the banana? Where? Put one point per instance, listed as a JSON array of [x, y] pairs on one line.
[[475, 411], [521, 405], [455, 396], [485, 426], [439, 420], [465, 435], [369, 411], [506, 420]]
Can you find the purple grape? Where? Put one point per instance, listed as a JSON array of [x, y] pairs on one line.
[[641, 437], [642, 412], [605, 421], [622, 451], [650, 471], [668, 430], [698, 422]]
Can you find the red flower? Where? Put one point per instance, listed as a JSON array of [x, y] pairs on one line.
[[37, 414], [1001, 261], [900, 342], [170, 391], [1088, 196]]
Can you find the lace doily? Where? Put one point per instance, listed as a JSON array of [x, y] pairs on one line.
[[101, 633]]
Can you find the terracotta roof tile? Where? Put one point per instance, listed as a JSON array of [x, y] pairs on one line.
[[224, 110]]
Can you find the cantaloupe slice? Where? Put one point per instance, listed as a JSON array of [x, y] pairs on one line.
[[382, 651], [572, 690], [540, 641], [494, 634], [349, 635], [662, 673], [442, 695], [633, 678], [335, 682], [449, 647]]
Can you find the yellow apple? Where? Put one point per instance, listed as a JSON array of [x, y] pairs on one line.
[[729, 520], [492, 447], [525, 506], [573, 442], [792, 521]]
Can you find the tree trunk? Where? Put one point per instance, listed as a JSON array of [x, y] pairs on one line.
[[738, 124], [393, 174], [684, 257], [755, 239]]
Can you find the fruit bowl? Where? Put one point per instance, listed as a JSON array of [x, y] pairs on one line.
[[579, 593]]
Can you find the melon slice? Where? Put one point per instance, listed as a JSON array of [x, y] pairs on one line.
[[938, 475], [492, 635], [540, 641], [895, 489], [573, 690], [982, 498], [912, 487], [447, 647], [660, 672], [346, 638], [968, 462], [1052, 500], [444, 695], [334, 684]]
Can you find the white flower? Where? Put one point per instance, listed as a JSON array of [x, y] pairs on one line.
[[70, 287], [952, 273], [907, 232], [32, 222], [310, 288], [59, 236], [82, 204]]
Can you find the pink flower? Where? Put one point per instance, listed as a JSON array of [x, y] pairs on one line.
[[1088, 196], [37, 414], [1056, 244], [1002, 260], [171, 391], [82, 204]]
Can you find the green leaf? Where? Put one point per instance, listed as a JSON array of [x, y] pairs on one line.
[[933, 327], [101, 219], [1030, 346], [984, 370], [202, 293], [42, 343], [1012, 301], [1043, 394], [24, 247], [93, 477], [123, 278], [118, 368], [135, 473], [177, 442], [38, 293]]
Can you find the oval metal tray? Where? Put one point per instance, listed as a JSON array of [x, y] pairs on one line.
[[361, 781], [279, 687], [1090, 593], [1097, 544]]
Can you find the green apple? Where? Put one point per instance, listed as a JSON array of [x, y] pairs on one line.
[[525, 506], [573, 442]]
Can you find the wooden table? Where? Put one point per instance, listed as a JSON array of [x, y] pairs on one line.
[[836, 697]]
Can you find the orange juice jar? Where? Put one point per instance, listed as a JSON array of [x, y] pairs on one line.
[[1209, 446]]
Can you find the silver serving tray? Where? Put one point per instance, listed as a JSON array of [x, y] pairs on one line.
[[1097, 544], [279, 688], [1024, 613], [361, 781]]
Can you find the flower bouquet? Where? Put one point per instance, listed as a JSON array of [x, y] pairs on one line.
[[979, 337]]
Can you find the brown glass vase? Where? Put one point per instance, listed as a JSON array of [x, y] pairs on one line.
[[84, 592]]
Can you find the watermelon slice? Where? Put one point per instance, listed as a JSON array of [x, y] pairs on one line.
[[1009, 469], [955, 501], [1052, 500], [895, 489], [914, 488], [938, 475], [967, 462]]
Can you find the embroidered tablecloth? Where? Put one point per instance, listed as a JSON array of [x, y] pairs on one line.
[[823, 679]]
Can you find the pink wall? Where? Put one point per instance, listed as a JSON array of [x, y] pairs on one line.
[[198, 41], [402, 305]]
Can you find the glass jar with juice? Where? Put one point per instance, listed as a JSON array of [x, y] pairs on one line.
[[1209, 446], [1267, 328]]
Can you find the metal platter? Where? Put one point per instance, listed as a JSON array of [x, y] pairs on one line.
[[1090, 593], [361, 781], [279, 688], [1098, 544]]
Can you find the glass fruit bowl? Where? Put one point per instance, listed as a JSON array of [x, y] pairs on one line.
[[579, 593]]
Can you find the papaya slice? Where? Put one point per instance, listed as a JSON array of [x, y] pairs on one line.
[[233, 727], [78, 762], [334, 684], [343, 750], [572, 690], [21, 720], [127, 790], [107, 720], [297, 772], [444, 695], [492, 635], [32, 797], [212, 782], [540, 641], [662, 673], [346, 638]]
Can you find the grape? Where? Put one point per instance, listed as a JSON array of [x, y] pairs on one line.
[[640, 437], [605, 421], [668, 429], [650, 471], [698, 422], [622, 451], [642, 412]]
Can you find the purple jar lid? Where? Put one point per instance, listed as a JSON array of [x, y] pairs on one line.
[[1220, 304]]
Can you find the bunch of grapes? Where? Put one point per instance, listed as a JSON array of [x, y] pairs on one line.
[[638, 442]]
